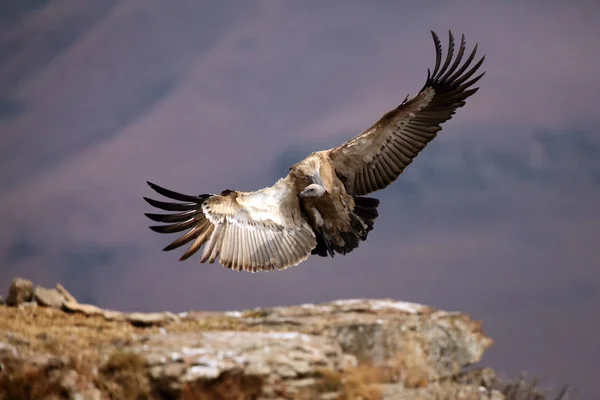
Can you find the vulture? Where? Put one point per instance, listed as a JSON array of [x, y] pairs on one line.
[[321, 207]]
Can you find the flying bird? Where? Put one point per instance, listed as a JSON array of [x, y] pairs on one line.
[[321, 206]]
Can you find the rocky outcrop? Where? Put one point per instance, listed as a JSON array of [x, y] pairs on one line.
[[21, 291], [348, 349], [48, 297], [394, 335], [284, 362]]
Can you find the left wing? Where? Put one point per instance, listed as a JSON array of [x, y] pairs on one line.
[[255, 231], [376, 157]]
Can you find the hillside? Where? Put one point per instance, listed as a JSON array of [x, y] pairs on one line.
[[52, 347]]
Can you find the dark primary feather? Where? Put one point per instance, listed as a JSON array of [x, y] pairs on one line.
[[179, 217], [173, 195], [172, 228], [188, 218], [169, 206]]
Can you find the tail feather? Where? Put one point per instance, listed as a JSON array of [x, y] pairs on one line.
[[366, 202], [366, 209], [361, 223], [366, 213]]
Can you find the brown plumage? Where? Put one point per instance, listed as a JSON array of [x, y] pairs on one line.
[[319, 207]]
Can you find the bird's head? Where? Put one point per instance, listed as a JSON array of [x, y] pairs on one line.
[[312, 190]]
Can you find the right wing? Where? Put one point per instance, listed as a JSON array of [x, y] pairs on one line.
[[255, 231], [376, 157]]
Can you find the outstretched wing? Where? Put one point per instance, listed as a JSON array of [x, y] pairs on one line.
[[256, 231], [376, 157]]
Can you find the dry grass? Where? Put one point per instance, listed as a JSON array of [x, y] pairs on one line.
[[256, 313], [44, 330], [228, 386], [19, 381], [124, 376], [524, 389], [358, 383], [329, 381], [40, 329], [85, 341], [364, 383]]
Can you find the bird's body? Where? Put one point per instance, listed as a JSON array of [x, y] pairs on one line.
[[320, 206]]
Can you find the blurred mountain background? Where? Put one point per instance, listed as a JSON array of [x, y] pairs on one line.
[[498, 217]]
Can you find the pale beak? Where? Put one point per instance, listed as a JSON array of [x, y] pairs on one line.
[[316, 178]]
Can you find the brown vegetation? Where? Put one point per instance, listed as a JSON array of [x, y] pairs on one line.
[[21, 381], [124, 376], [228, 386]]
